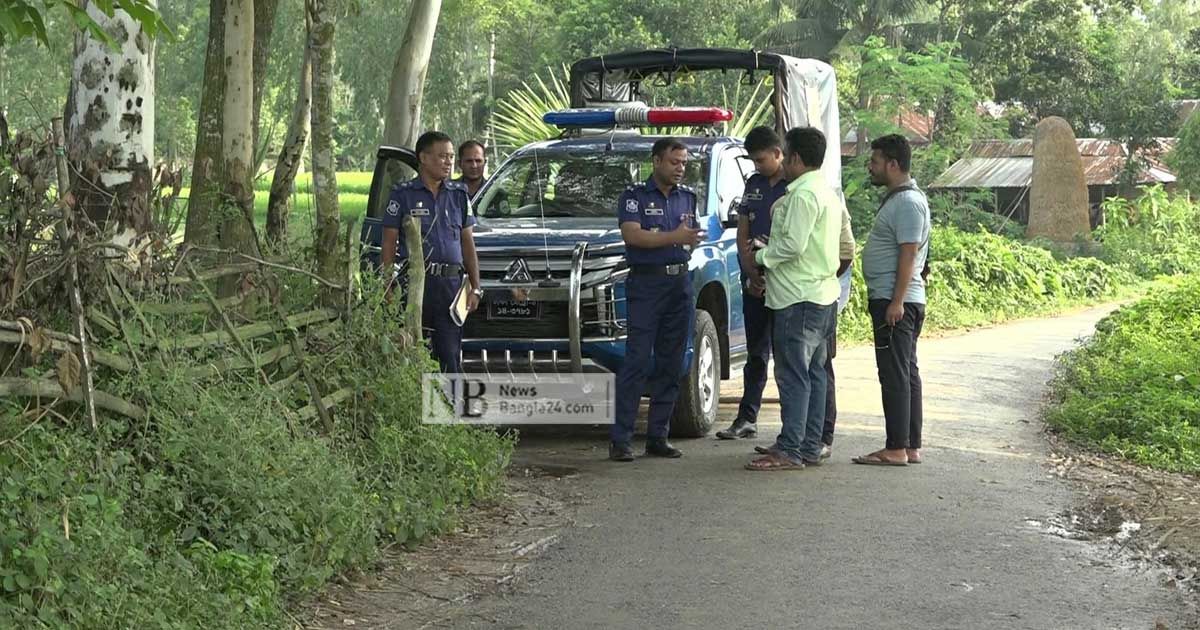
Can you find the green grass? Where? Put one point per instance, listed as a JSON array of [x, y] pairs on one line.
[[357, 182], [353, 190], [1134, 388]]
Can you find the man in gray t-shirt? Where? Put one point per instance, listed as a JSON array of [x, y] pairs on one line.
[[902, 219], [893, 261]]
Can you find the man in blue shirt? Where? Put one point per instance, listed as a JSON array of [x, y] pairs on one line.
[[763, 188], [656, 219], [444, 210]]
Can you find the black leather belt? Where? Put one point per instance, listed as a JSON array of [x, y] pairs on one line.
[[445, 270], [659, 270]]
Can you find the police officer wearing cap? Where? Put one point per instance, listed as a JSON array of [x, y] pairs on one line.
[[444, 210], [656, 219], [763, 189]]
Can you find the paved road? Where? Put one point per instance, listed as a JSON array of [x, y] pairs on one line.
[[701, 543]]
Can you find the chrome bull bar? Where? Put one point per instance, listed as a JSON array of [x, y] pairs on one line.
[[551, 361]]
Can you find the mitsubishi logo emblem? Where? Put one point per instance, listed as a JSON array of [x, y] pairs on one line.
[[517, 272]]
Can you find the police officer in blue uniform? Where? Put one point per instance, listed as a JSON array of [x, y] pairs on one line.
[[763, 189], [444, 210], [656, 219]]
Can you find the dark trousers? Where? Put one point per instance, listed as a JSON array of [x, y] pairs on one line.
[[830, 390], [445, 337], [659, 321], [899, 378], [758, 354]]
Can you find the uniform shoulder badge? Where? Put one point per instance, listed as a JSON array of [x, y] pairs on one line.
[[393, 208], [453, 185], [631, 205]]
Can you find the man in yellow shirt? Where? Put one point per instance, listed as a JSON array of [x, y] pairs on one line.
[[801, 261]]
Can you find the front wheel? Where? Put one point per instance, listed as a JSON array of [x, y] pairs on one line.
[[696, 409]]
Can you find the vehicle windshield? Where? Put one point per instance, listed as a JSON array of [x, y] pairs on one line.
[[580, 185]]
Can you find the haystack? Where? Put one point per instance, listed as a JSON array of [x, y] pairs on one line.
[[1058, 198]]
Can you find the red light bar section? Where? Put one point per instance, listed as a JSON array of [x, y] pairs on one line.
[[687, 115]]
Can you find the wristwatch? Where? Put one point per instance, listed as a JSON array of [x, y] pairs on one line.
[[478, 292]]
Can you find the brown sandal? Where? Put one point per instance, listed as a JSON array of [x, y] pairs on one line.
[[875, 459], [773, 463]]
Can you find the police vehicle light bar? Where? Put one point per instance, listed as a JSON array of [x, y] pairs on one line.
[[645, 116]]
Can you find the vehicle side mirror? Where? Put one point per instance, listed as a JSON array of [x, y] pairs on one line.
[[731, 215]]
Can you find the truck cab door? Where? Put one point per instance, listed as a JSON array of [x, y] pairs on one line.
[[392, 166]]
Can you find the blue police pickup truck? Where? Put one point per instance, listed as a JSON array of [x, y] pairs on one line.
[[550, 251]]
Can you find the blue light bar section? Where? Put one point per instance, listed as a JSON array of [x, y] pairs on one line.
[[581, 118]]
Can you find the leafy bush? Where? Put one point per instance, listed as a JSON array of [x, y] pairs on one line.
[[982, 278], [1134, 388], [965, 212], [73, 552], [219, 509], [1155, 234], [235, 477]]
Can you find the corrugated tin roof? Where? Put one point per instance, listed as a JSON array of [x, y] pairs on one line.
[[1017, 172], [1009, 163], [986, 172], [917, 127], [1023, 147]]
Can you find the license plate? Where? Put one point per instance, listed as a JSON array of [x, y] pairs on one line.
[[512, 309]]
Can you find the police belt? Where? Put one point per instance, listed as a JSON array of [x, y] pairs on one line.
[[445, 270], [658, 270]]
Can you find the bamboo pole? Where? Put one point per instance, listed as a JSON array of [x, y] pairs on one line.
[[113, 361], [42, 388], [66, 201], [416, 278], [298, 352]]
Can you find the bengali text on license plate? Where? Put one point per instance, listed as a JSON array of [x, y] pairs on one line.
[[514, 310]]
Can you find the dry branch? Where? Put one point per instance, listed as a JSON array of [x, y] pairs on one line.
[[30, 388], [298, 350], [214, 273], [253, 260], [250, 331], [190, 308], [220, 366], [70, 249], [113, 361], [329, 401]]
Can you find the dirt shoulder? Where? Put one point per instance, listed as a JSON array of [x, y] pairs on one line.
[[430, 585], [1152, 513]]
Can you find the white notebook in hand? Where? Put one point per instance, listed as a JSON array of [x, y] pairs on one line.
[[458, 307]]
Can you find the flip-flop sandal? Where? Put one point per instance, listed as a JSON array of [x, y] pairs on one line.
[[764, 450], [875, 460], [773, 464]]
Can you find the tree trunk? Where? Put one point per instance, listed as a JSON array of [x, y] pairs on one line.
[[264, 27], [324, 172], [237, 133], [207, 163], [291, 155], [111, 122], [407, 85]]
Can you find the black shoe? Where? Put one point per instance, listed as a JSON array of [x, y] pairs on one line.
[[620, 452], [739, 429], [660, 447]]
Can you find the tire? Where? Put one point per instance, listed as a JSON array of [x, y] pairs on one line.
[[700, 392]]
